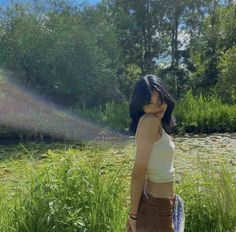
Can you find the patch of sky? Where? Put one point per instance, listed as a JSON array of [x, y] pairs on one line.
[[183, 39], [74, 2]]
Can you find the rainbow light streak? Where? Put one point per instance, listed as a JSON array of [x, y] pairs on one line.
[[23, 110]]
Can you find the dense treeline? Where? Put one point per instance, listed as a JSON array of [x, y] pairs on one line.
[[83, 56]]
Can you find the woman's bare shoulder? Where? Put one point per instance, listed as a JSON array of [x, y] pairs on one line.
[[150, 117], [148, 121]]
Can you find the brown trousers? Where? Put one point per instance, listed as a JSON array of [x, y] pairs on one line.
[[155, 214]]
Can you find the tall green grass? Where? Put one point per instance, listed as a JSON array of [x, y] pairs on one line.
[[113, 115], [68, 195], [210, 198], [193, 114], [205, 114], [73, 193]]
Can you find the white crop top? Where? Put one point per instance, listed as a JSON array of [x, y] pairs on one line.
[[160, 165]]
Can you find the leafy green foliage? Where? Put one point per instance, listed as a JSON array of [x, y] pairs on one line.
[[88, 58], [205, 114], [226, 85], [68, 194], [68, 55], [216, 36], [85, 189], [113, 115], [209, 198]]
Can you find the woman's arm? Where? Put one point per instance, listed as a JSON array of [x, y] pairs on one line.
[[145, 137]]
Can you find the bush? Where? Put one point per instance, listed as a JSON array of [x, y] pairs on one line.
[[205, 114], [113, 115], [193, 114]]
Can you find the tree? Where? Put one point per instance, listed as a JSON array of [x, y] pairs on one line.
[[217, 34], [139, 28], [226, 84], [67, 53]]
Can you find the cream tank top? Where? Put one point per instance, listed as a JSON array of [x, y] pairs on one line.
[[160, 167]]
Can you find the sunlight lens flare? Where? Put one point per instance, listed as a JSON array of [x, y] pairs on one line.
[[21, 109]]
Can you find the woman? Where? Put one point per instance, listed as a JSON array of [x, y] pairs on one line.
[[154, 205]]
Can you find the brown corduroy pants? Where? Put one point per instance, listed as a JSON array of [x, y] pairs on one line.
[[155, 214]]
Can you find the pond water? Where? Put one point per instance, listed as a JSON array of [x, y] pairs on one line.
[[215, 149]]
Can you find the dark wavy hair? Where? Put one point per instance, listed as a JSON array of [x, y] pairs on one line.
[[142, 95]]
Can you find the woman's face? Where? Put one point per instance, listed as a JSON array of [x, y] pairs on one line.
[[155, 107]]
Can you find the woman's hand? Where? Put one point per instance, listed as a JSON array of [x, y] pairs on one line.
[[131, 225]]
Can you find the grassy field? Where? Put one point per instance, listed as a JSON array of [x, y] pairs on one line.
[[66, 187]]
